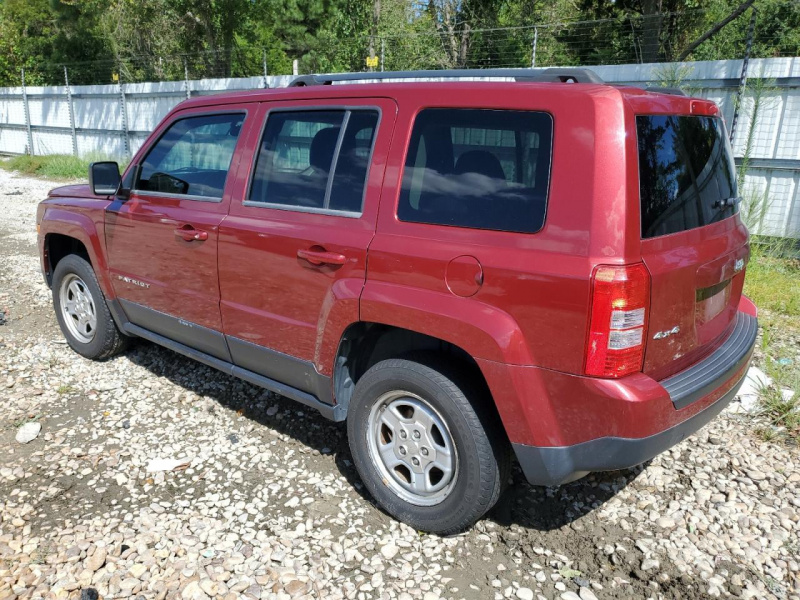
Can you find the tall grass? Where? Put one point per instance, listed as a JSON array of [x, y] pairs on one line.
[[54, 166]]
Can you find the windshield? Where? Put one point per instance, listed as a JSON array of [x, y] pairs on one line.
[[686, 173]]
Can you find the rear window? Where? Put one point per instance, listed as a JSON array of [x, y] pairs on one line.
[[483, 169], [686, 173]]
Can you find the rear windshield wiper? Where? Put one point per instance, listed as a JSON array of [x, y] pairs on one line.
[[727, 202]]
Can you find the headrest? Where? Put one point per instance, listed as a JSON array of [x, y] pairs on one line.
[[322, 148], [481, 162]]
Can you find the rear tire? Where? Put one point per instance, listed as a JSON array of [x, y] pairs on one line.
[[427, 443], [82, 312]]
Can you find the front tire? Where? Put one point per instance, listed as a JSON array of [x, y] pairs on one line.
[[82, 312], [427, 443]]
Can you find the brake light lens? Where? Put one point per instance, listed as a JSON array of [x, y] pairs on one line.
[[620, 301]]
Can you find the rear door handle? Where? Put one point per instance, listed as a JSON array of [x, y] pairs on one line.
[[322, 257], [190, 234]]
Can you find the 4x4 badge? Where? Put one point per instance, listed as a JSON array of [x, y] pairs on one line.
[[665, 334], [738, 265]]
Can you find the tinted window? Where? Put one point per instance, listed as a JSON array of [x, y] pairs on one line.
[[485, 169], [192, 157], [315, 159], [686, 173]]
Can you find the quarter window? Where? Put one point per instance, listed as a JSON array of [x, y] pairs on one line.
[[192, 157], [315, 160], [484, 169]]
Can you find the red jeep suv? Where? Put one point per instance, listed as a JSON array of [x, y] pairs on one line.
[[545, 267]]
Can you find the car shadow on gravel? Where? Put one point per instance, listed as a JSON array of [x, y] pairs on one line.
[[548, 509], [303, 424], [531, 507]]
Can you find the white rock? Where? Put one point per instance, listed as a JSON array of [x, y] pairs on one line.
[[389, 551], [649, 564], [166, 464], [193, 591], [96, 560], [586, 594], [524, 593], [28, 432]]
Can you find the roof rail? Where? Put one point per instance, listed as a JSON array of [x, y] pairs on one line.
[[551, 75]]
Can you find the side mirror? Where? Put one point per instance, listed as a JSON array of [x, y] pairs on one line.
[[104, 178]]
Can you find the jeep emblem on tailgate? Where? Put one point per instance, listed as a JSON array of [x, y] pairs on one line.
[[665, 334]]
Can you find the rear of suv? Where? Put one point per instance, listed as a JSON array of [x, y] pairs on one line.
[[465, 272]]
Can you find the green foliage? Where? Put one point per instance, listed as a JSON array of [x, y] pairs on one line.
[[779, 402], [773, 276], [54, 166], [771, 282], [151, 40]]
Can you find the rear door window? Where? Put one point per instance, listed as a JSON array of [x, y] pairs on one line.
[[482, 169], [192, 157], [314, 160], [686, 173]]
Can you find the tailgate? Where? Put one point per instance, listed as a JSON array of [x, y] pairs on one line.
[[693, 242]]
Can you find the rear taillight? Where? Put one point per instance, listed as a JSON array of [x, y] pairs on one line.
[[620, 301]]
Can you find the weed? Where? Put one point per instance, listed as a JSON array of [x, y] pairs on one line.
[[20, 422], [65, 389], [780, 401], [54, 166], [675, 75], [772, 281]]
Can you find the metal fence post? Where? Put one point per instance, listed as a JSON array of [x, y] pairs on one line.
[[186, 79], [743, 79], [264, 63], [27, 111], [295, 67], [71, 114], [533, 50], [124, 113], [383, 52]]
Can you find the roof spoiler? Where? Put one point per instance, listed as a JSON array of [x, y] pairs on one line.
[[672, 91], [551, 75]]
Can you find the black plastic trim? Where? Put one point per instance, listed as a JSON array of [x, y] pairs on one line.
[[332, 412], [196, 336], [562, 464], [703, 377], [297, 373], [117, 314]]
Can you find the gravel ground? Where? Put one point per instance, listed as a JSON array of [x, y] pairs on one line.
[[265, 502]]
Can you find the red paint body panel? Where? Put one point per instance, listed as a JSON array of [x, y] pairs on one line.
[[181, 276], [273, 298], [519, 305]]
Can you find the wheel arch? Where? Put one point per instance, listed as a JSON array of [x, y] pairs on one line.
[[56, 247], [364, 344], [64, 232]]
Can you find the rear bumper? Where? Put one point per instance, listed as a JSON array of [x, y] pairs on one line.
[[686, 403]]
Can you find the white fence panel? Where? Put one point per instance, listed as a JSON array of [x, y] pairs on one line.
[[101, 129]]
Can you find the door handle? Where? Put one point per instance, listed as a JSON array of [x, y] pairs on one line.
[[190, 234], [321, 257]]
